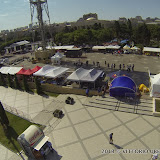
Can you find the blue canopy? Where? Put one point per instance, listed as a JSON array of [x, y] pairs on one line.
[[122, 86]]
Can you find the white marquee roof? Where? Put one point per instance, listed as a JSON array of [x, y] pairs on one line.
[[63, 47], [10, 70], [50, 71], [150, 49], [56, 72], [44, 70], [85, 75]]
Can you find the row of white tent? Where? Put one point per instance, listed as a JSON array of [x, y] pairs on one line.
[[80, 75], [10, 70]]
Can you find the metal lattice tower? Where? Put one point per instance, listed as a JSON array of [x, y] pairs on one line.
[[40, 5]]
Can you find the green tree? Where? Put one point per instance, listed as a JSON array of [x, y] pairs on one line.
[[9, 80], [130, 31], [117, 29], [16, 83], [25, 84], [3, 117], [2, 80], [38, 86]]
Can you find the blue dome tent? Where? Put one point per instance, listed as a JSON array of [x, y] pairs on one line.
[[122, 86]]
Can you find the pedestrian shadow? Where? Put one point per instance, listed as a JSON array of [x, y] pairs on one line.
[[118, 147]]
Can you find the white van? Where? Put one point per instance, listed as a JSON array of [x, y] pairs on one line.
[[33, 141]]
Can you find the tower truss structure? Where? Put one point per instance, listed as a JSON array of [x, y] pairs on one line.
[[40, 5]]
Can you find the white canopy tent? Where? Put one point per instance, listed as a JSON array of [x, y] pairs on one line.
[[63, 47], [56, 72], [4, 70], [50, 71], [44, 70], [84, 75], [150, 49], [155, 85], [14, 70], [56, 59]]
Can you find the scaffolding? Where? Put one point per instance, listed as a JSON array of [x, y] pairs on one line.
[[40, 5]]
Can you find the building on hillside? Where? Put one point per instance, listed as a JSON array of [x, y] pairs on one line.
[[18, 47]]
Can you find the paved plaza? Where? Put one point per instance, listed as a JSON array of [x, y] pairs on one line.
[[83, 132]]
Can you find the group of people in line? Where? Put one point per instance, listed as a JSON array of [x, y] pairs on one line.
[[129, 67]]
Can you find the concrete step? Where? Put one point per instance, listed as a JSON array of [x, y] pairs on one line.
[[105, 103]]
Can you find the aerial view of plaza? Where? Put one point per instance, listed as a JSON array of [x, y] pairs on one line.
[[79, 80]]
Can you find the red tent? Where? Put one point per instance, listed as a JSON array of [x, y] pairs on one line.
[[35, 69], [28, 72], [22, 71]]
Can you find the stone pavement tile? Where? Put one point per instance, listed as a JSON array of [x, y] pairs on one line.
[[34, 108], [2, 95], [73, 152], [48, 98], [76, 106], [46, 103], [110, 156], [155, 121], [64, 136], [9, 99], [139, 126], [79, 116], [159, 129], [121, 135], [152, 140], [21, 97], [35, 99], [33, 115], [33, 95], [64, 123], [124, 117], [136, 145], [24, 109], [96, 112], [21, 103], [4, 152], [11, 104], [87, 129], [108, 121], [96, 144]]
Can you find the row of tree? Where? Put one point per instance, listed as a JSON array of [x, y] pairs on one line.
[[15, 83], [146, 35]]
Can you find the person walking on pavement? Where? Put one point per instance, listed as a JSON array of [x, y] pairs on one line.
[[111, 138]]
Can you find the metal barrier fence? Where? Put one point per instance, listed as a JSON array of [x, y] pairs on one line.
[[17, 112]]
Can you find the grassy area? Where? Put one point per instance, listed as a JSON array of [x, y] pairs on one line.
[[157, 105], [16, 127]]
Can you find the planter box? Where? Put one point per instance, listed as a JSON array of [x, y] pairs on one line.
[[156, 114]]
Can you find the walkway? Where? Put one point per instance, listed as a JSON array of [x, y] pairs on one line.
[[83, 132]]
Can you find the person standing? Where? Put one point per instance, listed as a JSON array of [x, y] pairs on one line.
[[87, 92], [133, 67], [111, 138]]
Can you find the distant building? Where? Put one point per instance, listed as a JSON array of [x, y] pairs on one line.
[[19, 47], [89, 16], [123, 19], [139, 18]]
